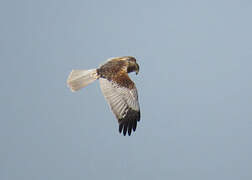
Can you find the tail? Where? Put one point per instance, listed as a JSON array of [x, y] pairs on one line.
[[80, 78]]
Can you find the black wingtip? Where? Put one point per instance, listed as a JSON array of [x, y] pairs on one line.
[[120, 127], [134, 125], [125, 128], [130, 128], [129, 122], [138, 116]]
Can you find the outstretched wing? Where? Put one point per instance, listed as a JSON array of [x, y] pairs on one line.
[[123, 102]]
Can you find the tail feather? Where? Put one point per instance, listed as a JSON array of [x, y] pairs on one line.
[[80, 78]]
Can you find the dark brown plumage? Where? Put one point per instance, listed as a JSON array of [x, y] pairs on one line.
[[117, 70]]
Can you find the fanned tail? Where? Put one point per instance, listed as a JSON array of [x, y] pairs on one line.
[[80, 78]]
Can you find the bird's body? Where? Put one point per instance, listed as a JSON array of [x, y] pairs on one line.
[[119, 90]]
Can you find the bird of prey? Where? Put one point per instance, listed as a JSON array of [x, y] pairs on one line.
[[119, 90]]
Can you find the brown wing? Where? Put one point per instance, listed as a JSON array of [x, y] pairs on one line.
[[123, 102]]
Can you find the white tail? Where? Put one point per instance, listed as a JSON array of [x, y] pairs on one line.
[[80, 78]]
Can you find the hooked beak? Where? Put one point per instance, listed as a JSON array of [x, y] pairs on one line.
[[137, 68]]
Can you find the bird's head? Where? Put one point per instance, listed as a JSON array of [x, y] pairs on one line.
[[132, 64]]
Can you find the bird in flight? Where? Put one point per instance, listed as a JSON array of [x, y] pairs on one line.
[[118, 89]]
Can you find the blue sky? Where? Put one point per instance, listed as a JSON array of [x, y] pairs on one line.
[[194, 90]]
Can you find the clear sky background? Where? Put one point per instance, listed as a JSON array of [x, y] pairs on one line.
[[194, 89]]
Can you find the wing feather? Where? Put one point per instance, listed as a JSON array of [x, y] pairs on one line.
[[123, 102]]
